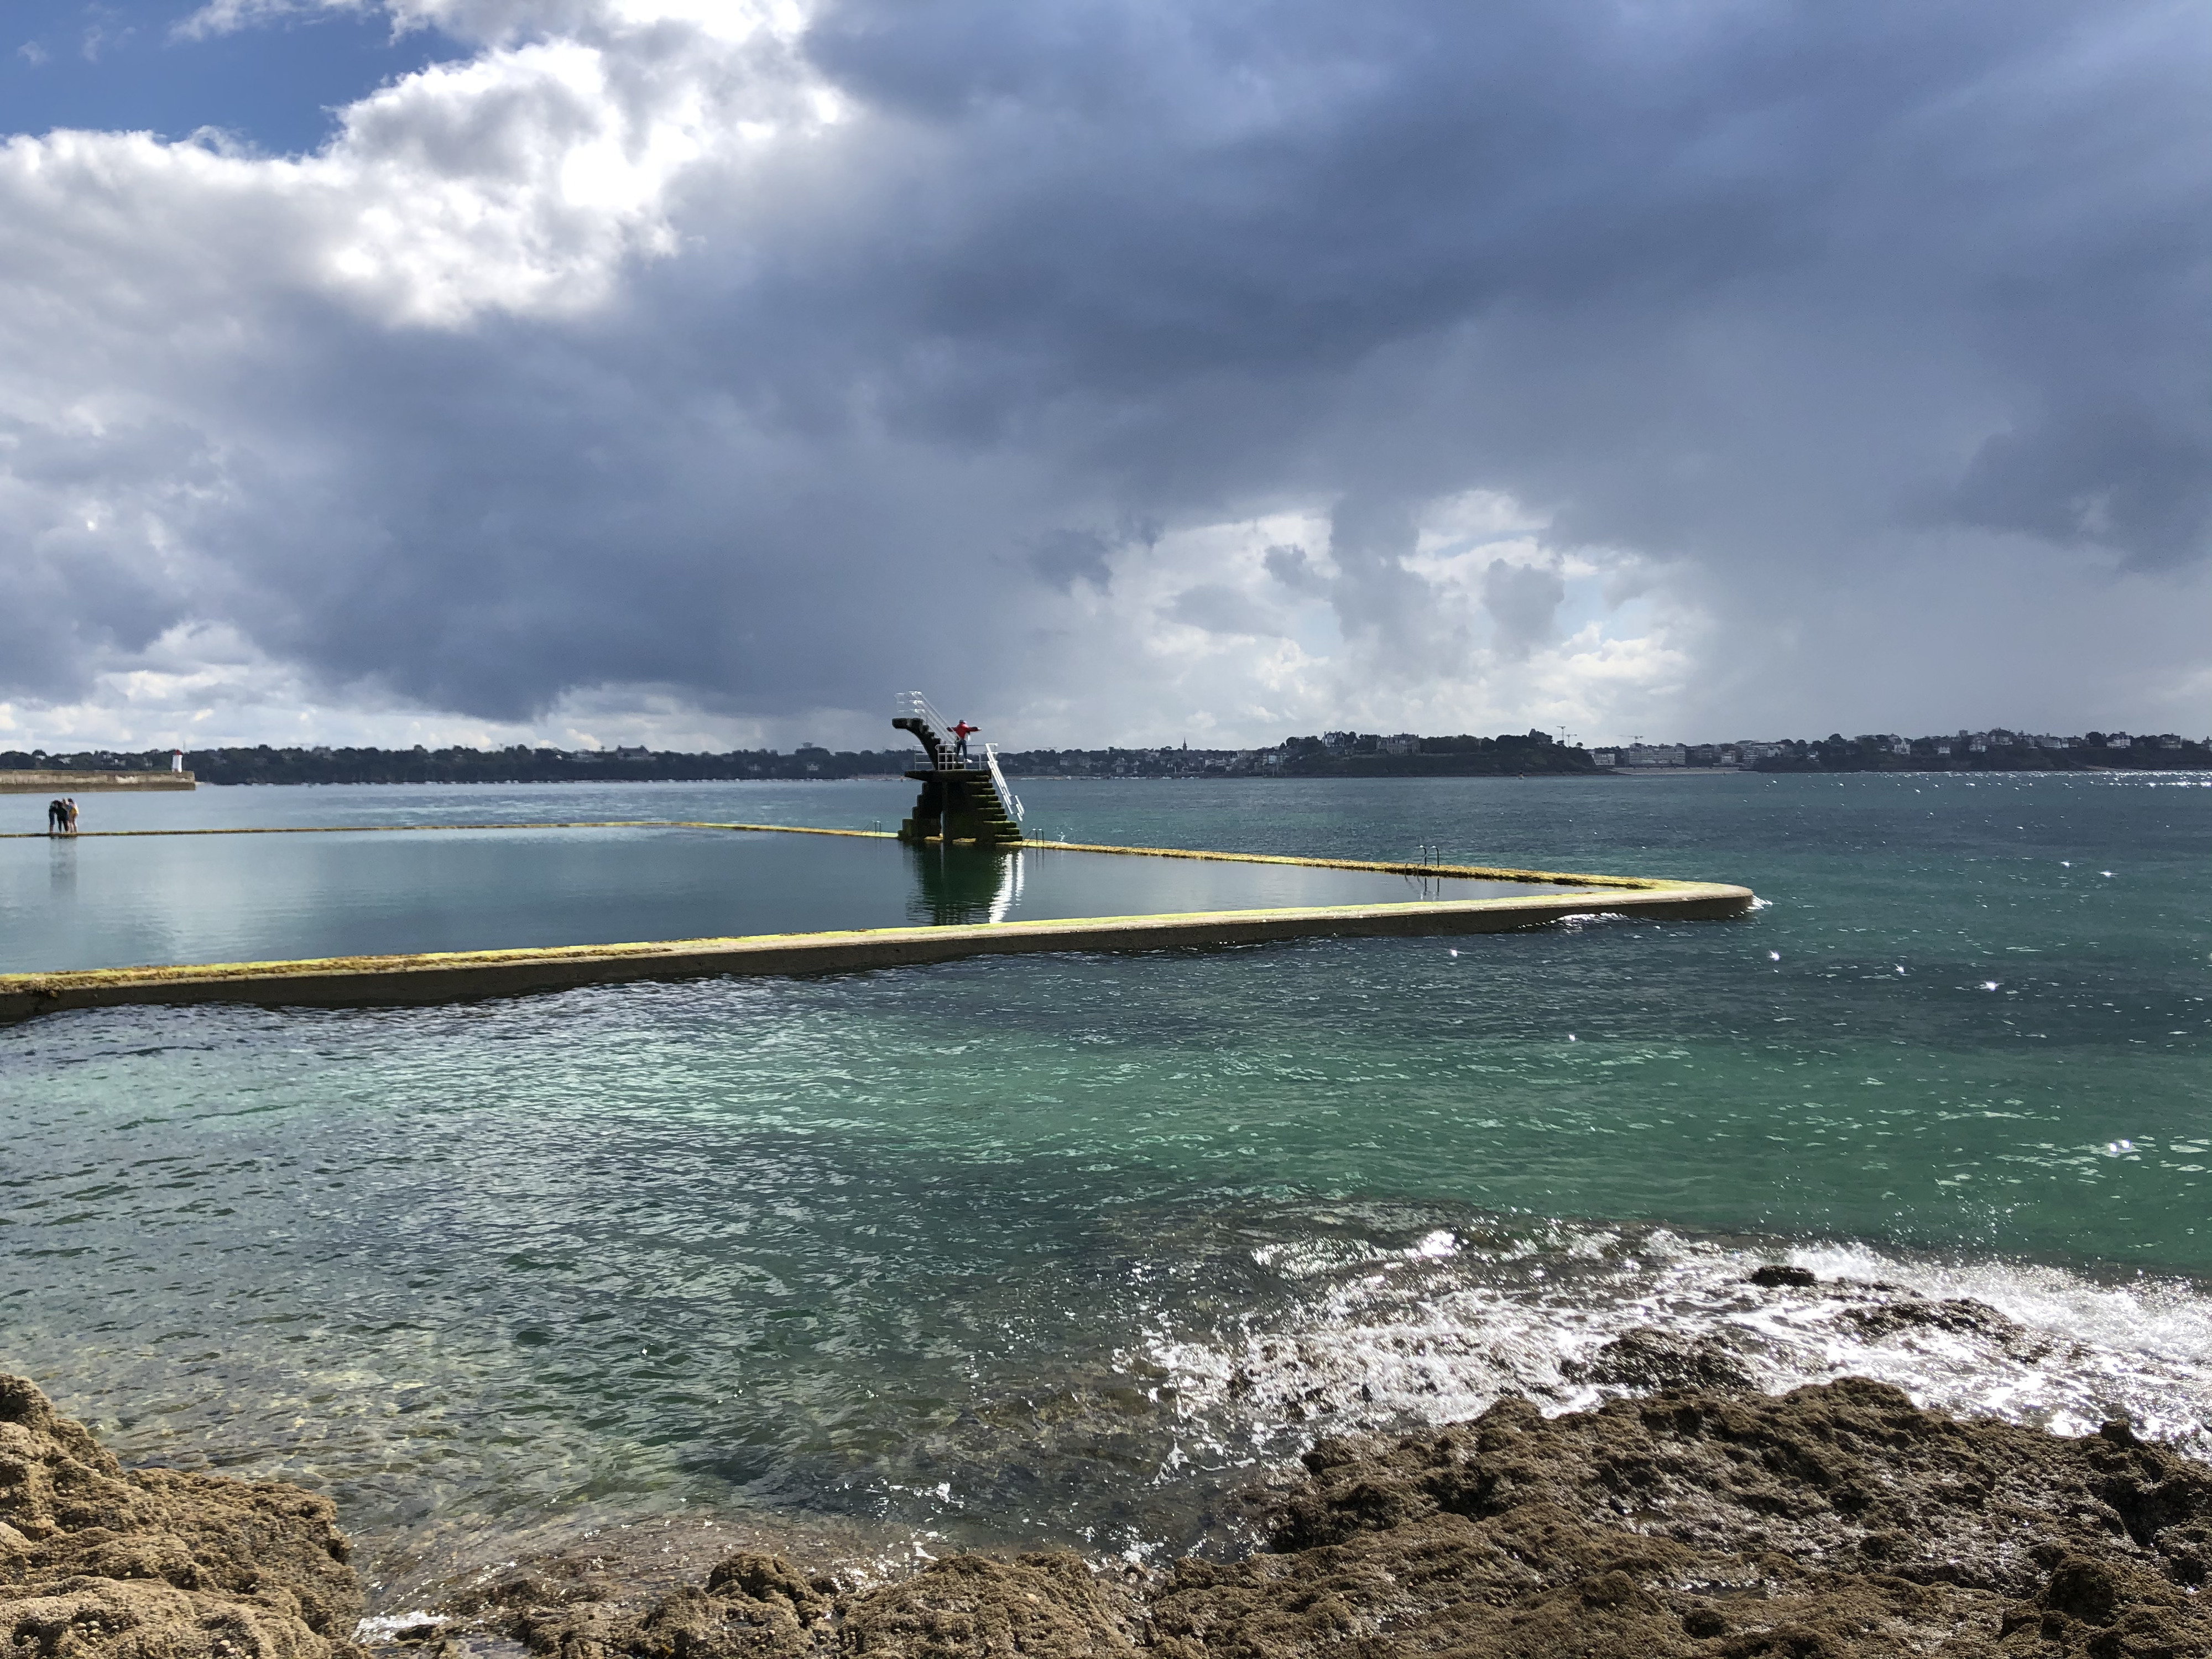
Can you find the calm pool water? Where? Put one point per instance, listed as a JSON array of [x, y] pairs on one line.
[[96, 902], [1067, 1247]]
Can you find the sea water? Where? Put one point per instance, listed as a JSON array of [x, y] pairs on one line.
[[1071, 1249]]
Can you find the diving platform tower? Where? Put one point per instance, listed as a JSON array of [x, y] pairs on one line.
[[964, 796]]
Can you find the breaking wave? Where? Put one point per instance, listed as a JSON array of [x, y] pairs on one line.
[[1379, 1332]]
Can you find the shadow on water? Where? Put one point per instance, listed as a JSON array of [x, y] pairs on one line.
[[962, 886]]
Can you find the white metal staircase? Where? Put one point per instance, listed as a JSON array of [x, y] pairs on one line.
[[1007, 798]]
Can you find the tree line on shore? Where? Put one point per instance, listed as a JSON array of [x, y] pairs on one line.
[[1511, 753], [1338, 754], [517, 764], [1990, 752]]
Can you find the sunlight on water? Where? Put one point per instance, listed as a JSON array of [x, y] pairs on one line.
[[95, 901], [1068, 1247]]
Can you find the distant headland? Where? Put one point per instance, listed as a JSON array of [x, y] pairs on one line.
[[1331, 754]]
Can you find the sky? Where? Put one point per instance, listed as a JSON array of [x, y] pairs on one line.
[[704, 372]]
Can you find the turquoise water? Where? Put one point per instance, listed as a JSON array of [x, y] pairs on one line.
[[101, 902], [1067, 1248]]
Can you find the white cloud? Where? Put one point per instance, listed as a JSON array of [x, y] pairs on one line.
[[1202, 639], [219, 17], [520, 181], [211, 687], [1222, 373]]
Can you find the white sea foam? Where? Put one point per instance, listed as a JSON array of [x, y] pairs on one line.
[[1380, 1335], [386, 1627]]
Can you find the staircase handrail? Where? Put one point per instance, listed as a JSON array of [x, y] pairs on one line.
[[913, 706], [1008, 801]]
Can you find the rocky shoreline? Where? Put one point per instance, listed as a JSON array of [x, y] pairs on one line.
[[98, 1560], [1702, 1520]]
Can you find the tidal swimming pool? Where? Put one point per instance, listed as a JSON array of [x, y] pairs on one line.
[[125, 901]]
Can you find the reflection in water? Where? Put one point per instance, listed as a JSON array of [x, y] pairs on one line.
[[1433, 888], [959, 886], [221, 898]]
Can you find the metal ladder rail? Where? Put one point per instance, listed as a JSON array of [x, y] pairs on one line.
[[1009, 802]]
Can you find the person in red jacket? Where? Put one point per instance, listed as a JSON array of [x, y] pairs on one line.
[[960, 732]]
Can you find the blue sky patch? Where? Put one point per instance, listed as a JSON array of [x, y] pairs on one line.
[[122, 65]]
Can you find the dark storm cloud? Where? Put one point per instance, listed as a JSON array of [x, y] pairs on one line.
[[1798, 294], [1745, 282], [2131, 477], [1522, 599], [539, 515], [82, 587]]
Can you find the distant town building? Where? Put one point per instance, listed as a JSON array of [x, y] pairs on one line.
[[1655, 754], [1604, 757]]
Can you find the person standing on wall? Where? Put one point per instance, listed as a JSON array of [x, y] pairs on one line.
[[68, 815], [57, 816]]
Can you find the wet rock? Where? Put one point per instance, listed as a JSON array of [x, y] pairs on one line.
[[2084, 1589], [157, 1564], [560, 1583], [2111, 1609], [771, 1580], [970, 1606], [1836, 1521], [1775, 1276], [694, 1624], [1960, 1317], [965, 1607], [752, 1604], [588, 1630], [1655, 1361], [89, 1616]]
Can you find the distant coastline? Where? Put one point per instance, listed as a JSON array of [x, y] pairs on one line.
[[1336, 755]]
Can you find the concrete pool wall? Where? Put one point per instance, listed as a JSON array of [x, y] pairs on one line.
[[450, 976]]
